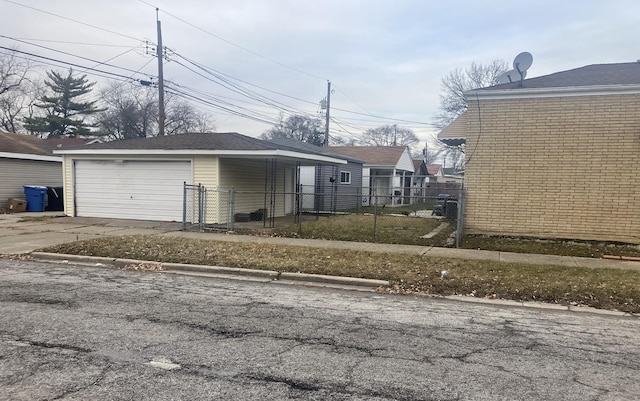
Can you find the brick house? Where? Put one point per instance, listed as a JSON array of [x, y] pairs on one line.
[[555, 156]]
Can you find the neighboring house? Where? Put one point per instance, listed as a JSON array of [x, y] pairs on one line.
[[455, 134], [443, 179], [328, 187], [420, 179], [555, 156], [453, 177], [144, 178], [26, 160], [66, 142], [386, 172]]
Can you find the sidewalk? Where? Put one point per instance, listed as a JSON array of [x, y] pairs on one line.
[[26, 232]]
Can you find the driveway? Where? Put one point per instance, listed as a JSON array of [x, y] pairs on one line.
[[24, 232]]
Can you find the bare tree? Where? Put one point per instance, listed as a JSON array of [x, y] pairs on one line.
[[17, 92], [299, 127], [388, 135], [204, 123], [459, 81], [182, 117], [132, 112]]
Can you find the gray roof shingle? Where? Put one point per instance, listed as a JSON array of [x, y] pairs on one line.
[[590, 75], [303, 146], [374, 155], [209, 141], [27, 144]]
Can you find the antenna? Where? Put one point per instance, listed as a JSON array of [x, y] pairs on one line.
[[521, 64]]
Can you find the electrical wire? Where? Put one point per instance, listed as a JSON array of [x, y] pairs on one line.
[[70, 19], [73, 43], [234, 44], [71, 54], [94, 70]]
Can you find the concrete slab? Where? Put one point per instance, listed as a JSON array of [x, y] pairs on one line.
[[473, 254], [28, 242], [553, 260], [606, 263]]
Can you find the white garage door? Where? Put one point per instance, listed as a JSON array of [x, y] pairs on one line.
[[131, 189]]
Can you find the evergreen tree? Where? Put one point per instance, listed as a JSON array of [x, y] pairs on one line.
[[64, 110]]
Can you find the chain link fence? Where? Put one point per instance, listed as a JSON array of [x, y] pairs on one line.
[[368, 215]]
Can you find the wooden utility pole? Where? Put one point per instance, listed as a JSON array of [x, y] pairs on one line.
[[395, 134], [326, 125], [161, 116]]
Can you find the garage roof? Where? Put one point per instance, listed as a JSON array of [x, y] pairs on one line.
[[229, 144]]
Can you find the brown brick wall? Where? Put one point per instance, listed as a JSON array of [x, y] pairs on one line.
[[565, 167]]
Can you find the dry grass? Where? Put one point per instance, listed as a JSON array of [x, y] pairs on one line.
[[360, 228], [600, 288], [589, 249]]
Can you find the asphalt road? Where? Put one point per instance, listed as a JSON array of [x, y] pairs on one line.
[[87, 333]]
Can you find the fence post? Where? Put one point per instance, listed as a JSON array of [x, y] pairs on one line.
[[232, 206], [184, 206], [299, 201], [200, 206], [375, 214], [460, 222]]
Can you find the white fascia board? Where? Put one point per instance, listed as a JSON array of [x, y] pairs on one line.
[[200, 152], [528, 93], [28, 156]]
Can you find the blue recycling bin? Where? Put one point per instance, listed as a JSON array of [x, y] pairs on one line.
[[35, 198]]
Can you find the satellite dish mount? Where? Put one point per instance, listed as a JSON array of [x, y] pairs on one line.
[[521, 64]]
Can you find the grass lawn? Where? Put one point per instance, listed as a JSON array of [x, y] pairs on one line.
[[357, 227], [588, 249], [600, 288]]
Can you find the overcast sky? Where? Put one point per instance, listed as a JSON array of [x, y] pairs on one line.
[[383, 58]]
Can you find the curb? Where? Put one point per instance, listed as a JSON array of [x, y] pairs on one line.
[[303, 279], [182, 268], [235, 271]]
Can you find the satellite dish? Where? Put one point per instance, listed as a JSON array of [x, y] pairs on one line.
[[522, 62]]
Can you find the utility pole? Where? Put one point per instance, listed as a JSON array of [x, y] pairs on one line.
[[161, 116], [326, 125], [395, 134]]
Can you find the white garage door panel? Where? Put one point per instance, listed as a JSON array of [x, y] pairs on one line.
[[141, 190]]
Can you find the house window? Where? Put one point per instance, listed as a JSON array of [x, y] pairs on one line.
[[345, 177]]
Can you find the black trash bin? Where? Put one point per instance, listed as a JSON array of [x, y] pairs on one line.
[[55, 199], [451, 209]]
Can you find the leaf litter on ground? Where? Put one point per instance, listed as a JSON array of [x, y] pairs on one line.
[[614, 289]]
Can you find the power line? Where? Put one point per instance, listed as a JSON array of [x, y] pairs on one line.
[[66, 63], [72, 43], [235, 44], [71, 54], [71, 19], [384, 118]]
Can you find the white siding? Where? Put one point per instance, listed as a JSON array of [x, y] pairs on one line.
[[405, 162]]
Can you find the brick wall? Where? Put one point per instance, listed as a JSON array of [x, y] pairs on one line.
[[562, 167]]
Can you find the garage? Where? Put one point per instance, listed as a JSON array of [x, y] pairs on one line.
[[130, 189]]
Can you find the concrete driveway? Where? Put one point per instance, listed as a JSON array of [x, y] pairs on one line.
[[25, 232]]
